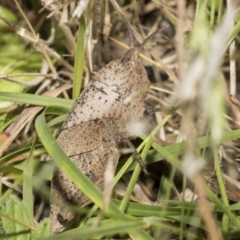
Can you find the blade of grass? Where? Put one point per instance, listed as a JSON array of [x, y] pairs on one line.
[[134, 178], [226, 210], [27, 184], [220, 10], [36, 99], [233, 34], [225, 219], [106, 228], [212, 13], [79, 60], [137, 170]]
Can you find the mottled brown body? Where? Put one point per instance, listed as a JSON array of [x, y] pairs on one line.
[[105, 110]]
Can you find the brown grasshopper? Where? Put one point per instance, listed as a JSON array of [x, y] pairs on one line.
[[98, 122]]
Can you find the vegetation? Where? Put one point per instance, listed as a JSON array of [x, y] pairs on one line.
[[191, 147]]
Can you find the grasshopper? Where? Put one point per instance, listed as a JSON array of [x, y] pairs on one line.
[[99, 121]]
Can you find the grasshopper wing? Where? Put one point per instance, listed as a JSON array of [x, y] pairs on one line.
[[80, 138], [65, 191]]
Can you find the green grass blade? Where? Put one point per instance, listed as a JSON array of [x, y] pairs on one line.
[[106, 228], [79, 60], [27, 185], [218, 172], [226, 210], [137, 170], [35, 99]]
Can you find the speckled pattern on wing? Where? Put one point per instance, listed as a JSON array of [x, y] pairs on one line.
[[105, 96], [80, 138], [66, 191], [106, 108]]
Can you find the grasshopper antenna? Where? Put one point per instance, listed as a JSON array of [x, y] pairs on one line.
[[125, 20], [139, 49]]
